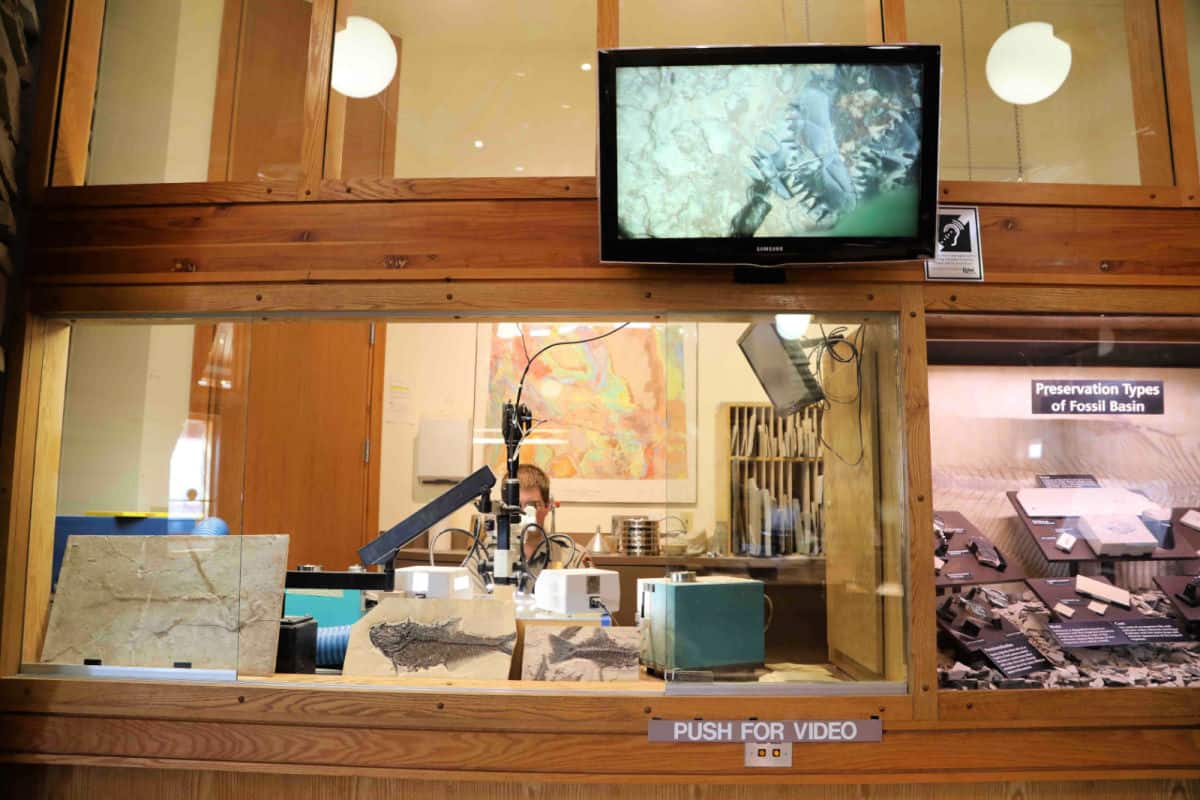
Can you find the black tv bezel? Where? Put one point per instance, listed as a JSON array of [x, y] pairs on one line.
[[768, 251]]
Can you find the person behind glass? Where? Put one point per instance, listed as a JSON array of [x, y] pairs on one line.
[[535, 492]]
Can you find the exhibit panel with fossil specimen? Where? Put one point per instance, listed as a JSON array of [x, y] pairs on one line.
[[207, 602], [580, 653], [407, 637]]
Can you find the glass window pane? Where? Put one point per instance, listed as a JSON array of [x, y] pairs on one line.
[[500, 89], [1107, 123], [670, 23], [1063, 471], [145, 573], [185, 93], [798, 493]]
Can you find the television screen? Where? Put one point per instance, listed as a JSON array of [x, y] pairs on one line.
[[768, 155]]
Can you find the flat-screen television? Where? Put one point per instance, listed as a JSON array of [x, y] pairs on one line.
[[768, 155]]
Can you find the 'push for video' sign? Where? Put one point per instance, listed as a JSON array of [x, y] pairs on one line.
[[1097, 397], [776, 730]]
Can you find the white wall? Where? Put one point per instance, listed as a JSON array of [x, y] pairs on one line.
[[433, 365], [155, 91], [126, 403]]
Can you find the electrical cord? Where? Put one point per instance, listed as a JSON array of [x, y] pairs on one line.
[[829, 344], [529, 362], [438, 535]]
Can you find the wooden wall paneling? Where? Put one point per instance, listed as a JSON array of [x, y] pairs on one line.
[[1060, 194], [21, 404], [1167, 751], [225, 97], [608, 23], [316, 96], [171, 194], [1172, 29], [895, 21], [1149, 98], [922, 633], [362, 188], [1048, 245], [53, 44], [1025, 708], [44, 780], [44, 502], [1060, 299], [436, 704], [78, 93], [456, 300]]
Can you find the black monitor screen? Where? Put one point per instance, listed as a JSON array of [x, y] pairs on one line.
[[761, 156]]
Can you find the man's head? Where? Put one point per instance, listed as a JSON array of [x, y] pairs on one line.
[[535, 490]]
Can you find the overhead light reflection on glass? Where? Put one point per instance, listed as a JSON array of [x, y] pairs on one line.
[[479, 144], [1028, 63], [586, 67]]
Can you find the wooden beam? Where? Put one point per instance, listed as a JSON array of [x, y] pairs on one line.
[[608, 23], [1172, 28], [922, 632], [1061, 194], [224, 100], [49, 81], [895, 21], [16, 494], [1149, 99], [316, 97], [78, 93], [44, 501]]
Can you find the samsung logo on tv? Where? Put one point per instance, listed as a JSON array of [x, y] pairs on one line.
[[769, 248]]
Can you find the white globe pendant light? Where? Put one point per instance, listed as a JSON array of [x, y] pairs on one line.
[[364, 58], [792, 326], [1028, 63]]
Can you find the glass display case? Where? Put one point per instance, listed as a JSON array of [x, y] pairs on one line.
[[1067, 533], [711, 500]]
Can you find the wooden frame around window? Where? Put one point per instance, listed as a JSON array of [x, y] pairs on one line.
[[67, 128]]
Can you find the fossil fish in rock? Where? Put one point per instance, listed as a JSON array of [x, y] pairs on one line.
[[413, 646], [600, 649]]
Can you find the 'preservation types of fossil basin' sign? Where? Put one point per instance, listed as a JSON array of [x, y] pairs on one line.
[[405, 637], [580, 653], [155, 601]]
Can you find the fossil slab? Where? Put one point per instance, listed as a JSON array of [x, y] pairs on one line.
[[580, 653], [404, 637], [154, 601]]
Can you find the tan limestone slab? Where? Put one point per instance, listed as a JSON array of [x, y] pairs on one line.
[[153, 601]]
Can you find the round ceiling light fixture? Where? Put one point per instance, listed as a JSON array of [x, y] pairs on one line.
[[1028, 63], [364, 58]]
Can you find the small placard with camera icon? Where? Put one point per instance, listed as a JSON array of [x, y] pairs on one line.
[[959, 257]]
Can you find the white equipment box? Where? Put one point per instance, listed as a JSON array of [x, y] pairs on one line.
[[436, 582], [576, 591]]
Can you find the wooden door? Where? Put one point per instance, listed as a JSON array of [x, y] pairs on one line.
[[258, 115], [308, 428]]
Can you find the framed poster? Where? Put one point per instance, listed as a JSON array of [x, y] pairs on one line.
[[615, 418]]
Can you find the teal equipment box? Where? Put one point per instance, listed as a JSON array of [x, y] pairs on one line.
[[328, 607], [701, 623]]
